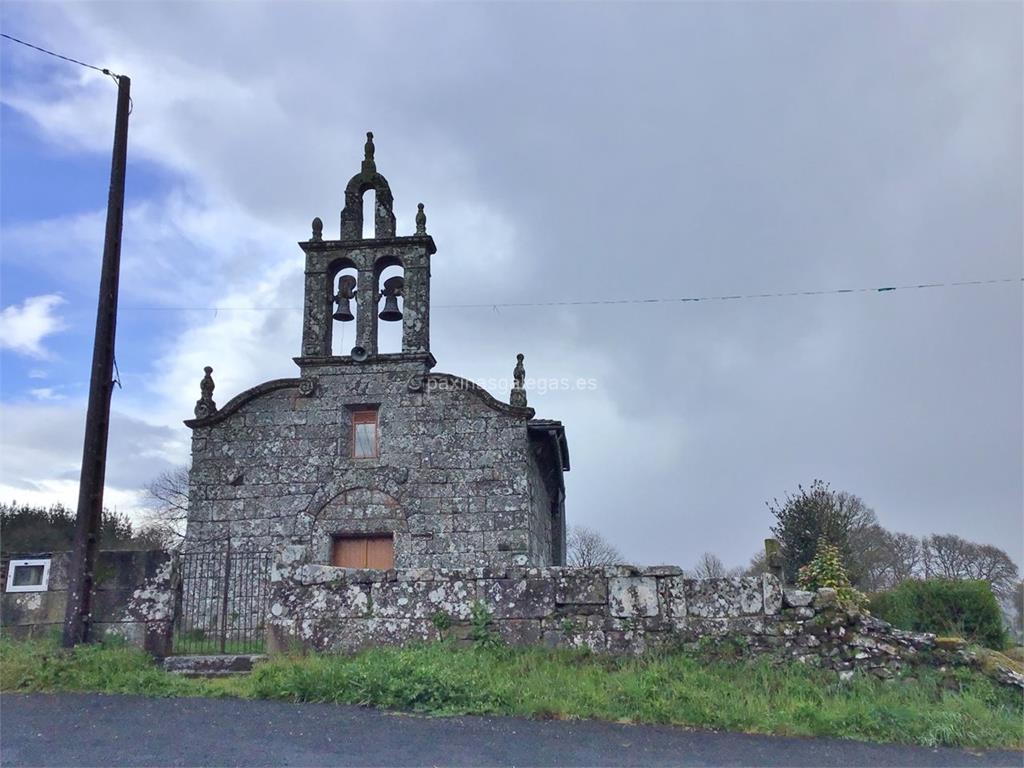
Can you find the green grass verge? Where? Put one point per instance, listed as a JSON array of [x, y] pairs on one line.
[[964, 709]]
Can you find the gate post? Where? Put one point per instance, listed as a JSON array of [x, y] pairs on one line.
[[224, 605]]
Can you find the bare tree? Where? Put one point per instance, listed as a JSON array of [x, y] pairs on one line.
[[945, 556], [167, 500], [949, 556], [904, 558], [586, 548], [886, 559], [990, 563], [710, 566], [758, 564]]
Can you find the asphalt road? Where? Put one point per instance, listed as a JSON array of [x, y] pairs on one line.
[[95, 730]]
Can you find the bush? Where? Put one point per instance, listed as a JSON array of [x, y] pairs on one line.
[[826, 570], [964, 608]]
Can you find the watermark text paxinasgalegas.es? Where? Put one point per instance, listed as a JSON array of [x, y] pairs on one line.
[[530, 384]]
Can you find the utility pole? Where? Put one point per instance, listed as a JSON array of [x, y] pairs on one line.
[[77, 616]]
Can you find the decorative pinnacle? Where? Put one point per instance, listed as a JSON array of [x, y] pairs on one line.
[[318, 230], [518, 395], [205, 405], [421, 221]]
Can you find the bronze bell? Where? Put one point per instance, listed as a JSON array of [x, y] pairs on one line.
[[392, 290], [346, 292]]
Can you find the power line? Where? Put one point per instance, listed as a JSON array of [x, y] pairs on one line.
[[104, 70], [652, 300], [734, 297]]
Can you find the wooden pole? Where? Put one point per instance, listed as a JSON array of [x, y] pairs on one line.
[[77, 615]]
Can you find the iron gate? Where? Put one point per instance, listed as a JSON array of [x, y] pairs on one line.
[[221, 601]]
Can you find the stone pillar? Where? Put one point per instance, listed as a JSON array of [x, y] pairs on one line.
[[366, 310], [416, 306], [316, 324]]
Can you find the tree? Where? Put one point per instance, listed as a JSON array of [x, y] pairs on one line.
[[758, 564], [885, 559], [949, 556], [710, 566], [586, 547], [25, 529], [904, 558], [167, 499], [816, 513]]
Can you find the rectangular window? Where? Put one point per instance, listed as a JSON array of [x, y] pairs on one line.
[[364, 552], [364, 434], [28, 575]]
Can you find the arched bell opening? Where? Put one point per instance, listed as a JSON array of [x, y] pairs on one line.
[[390, 306], [369, 213], [344, 303]]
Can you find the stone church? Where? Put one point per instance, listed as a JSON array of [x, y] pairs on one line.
[[371, 459]]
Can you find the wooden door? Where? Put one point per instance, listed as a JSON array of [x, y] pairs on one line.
[[363, 552]]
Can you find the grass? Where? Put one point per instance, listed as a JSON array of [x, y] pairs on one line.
[[963, 709], [1015, 653], [198, 642]]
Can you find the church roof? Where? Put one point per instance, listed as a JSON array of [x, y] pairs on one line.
[[556, 430]]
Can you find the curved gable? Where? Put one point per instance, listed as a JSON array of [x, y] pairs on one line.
[[451, 382], [241, 399]]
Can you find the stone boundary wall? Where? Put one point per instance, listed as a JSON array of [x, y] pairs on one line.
[[133, 599], [615, 609]]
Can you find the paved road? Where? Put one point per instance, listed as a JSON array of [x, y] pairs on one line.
[[91, 730]]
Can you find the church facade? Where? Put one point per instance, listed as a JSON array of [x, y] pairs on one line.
[[369, 459]]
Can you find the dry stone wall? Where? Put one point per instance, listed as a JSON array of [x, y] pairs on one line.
[[617, 609]]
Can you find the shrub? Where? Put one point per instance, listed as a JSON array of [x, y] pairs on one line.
[[482, 626], [826, 570], [964, 608]]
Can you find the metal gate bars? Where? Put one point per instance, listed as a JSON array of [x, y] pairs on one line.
[[221, 601]]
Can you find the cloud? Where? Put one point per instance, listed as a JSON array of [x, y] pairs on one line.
[[41, 445], [46, 393], [24, 326], [645, 150]]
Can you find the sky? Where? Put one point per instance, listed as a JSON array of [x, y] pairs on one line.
[[564, 152]]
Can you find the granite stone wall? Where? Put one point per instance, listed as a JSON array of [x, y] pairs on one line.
[[133, 599], [616, 609], [540, 543], [456, 482]]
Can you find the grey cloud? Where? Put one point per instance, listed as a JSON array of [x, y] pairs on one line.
[[670, 150], [45, 442]]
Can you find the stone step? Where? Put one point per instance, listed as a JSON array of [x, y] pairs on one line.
[[213, 665]]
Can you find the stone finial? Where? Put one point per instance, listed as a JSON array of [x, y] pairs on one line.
[[518, 394], [369, 167], [421, 220], [318, 230], [205, 405]]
